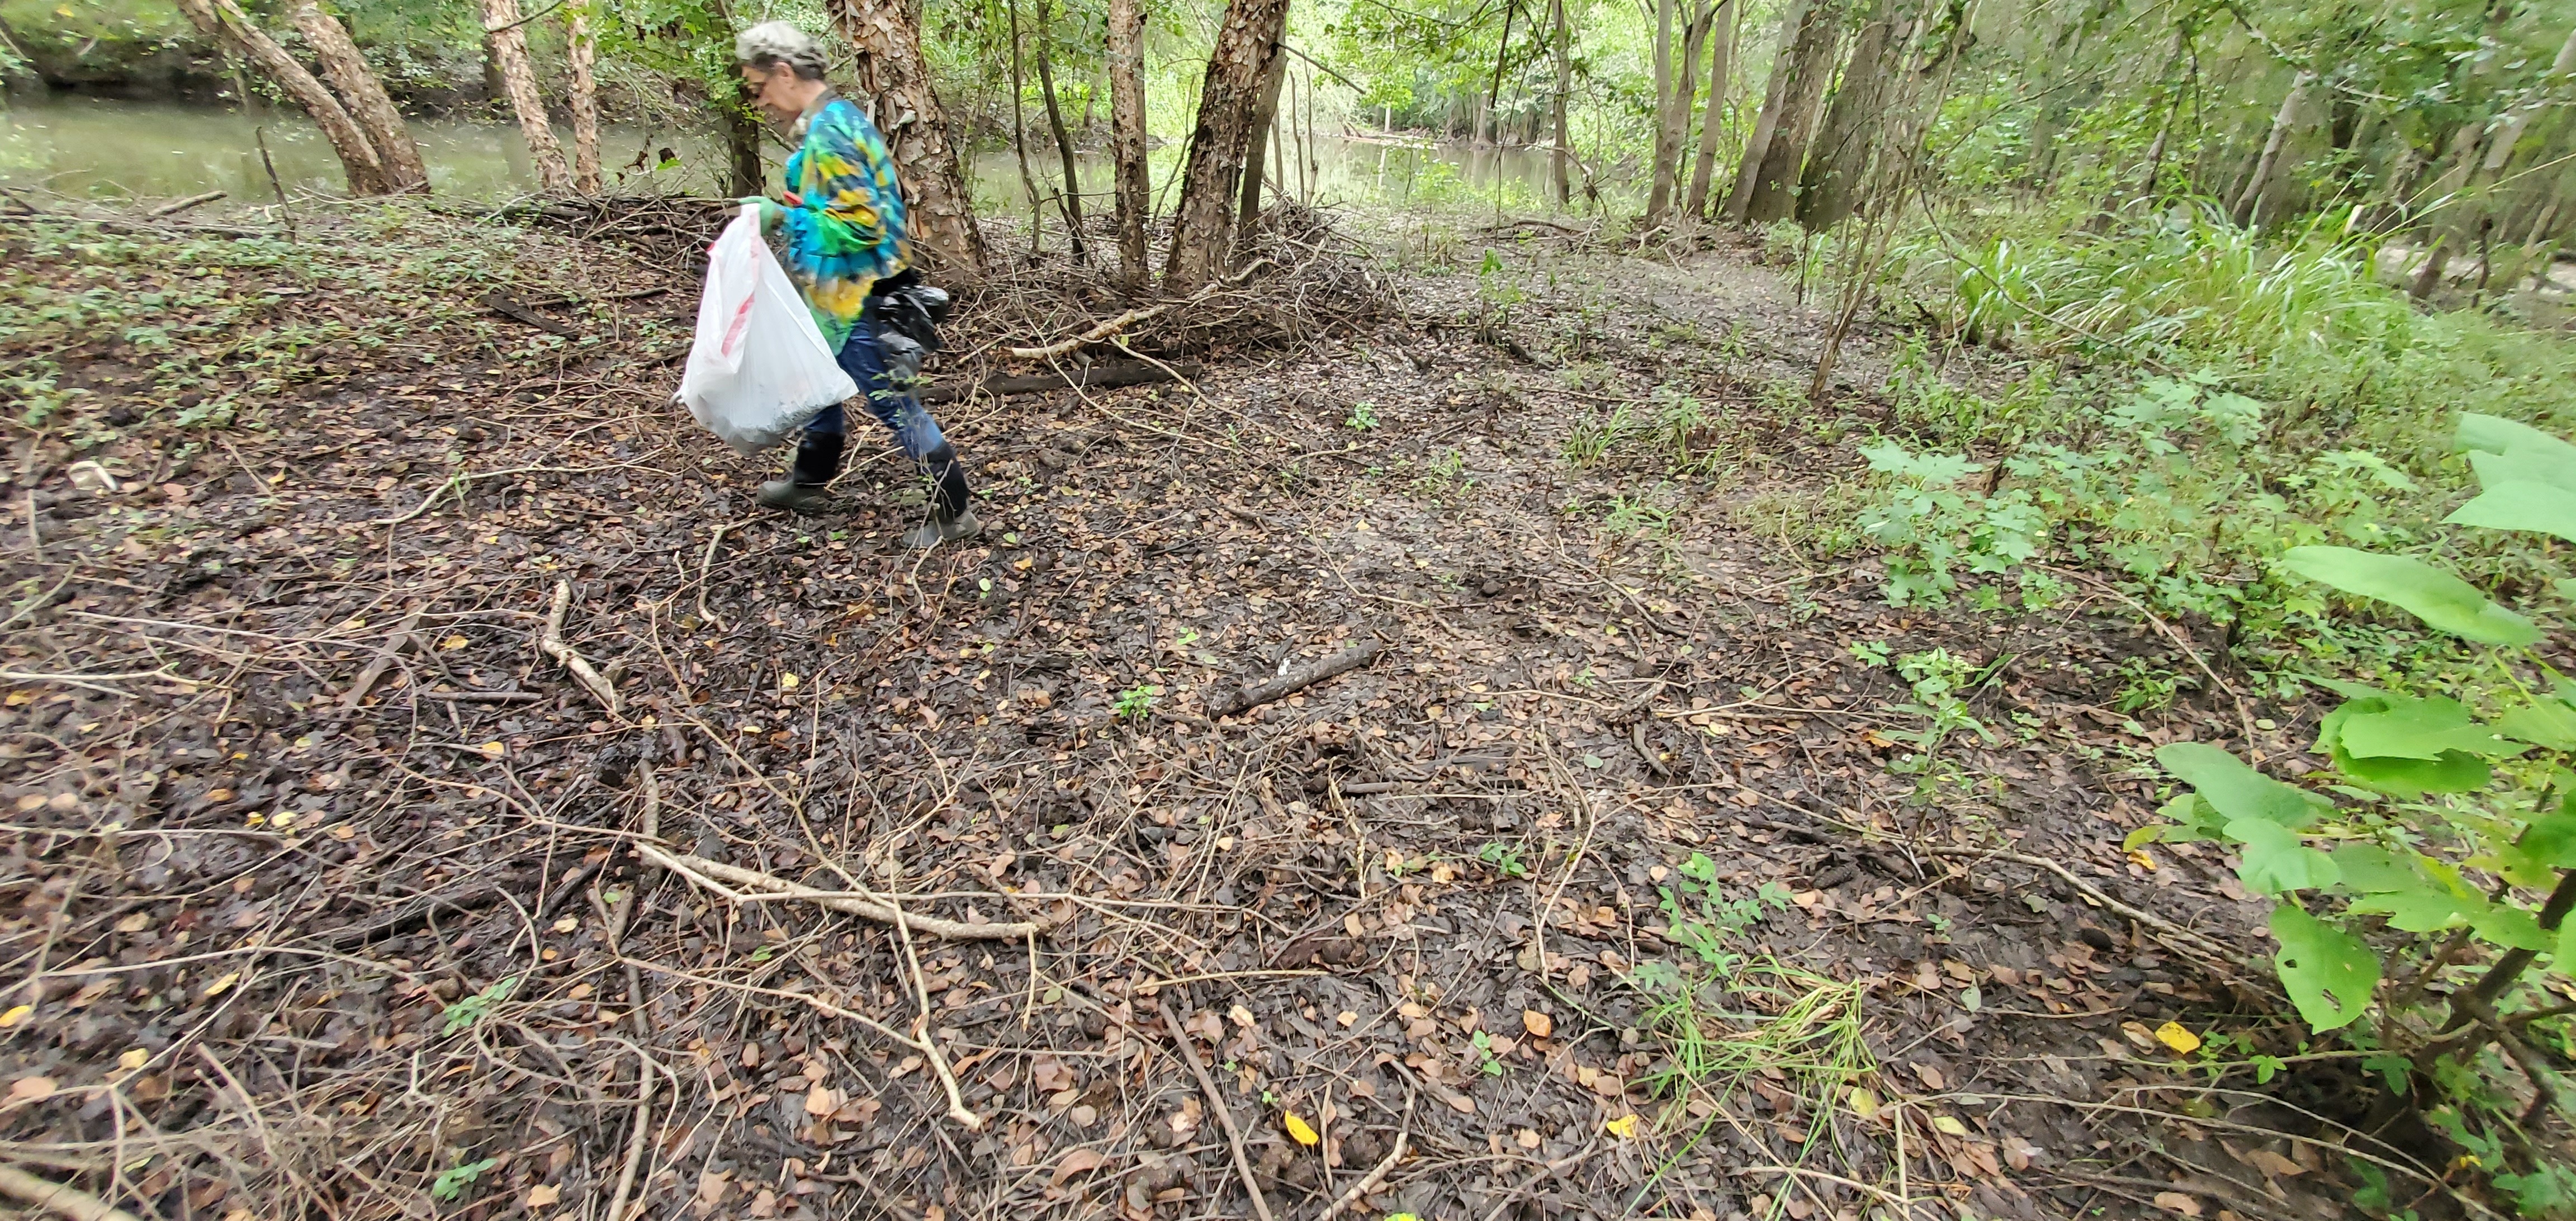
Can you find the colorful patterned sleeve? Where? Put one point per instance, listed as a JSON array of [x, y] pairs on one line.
[[847, 231]]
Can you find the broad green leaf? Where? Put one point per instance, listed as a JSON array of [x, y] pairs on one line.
[[2417, 729], [2566, 945], [2409, 779], [2521, 466], [2550, 839], [2329, 973], [2538, 450], [2444, 602], [2236, 790], [2547, 723], [2274, 862], [2511, 927], [1934, 470], [2521, 504], [2371, 869], [2421, 908]]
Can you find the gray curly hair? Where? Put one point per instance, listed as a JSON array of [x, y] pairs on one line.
[[772, 43]]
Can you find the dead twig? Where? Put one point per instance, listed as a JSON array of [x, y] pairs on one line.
[[56, 1198], [865, 904], [384, 659], [1063, 347], [553, 644], [1369, 1182], [1296, 680], [177, 206], [636, 1142], [1216, 1102]]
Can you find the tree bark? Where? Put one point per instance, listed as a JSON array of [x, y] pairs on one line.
[[1837, 166], [224, 21], [1767, 120], [2270, 160], [1063, 143], [509, 46], [1245, 44], [1811, 64], [1659, 196], [1265, 123], [1494, 90], [581, 50], [1127, 139], [363, 96], [742, 147], [894, 76], [1722, 32], [1564, 150], [1020, 133]]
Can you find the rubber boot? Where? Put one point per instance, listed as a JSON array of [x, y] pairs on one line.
[[951, 516], [818, 460]]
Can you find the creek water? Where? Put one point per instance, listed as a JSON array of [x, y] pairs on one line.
[[114, 149]]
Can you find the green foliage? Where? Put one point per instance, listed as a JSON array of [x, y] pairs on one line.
[[1931, 527], [451, 1183], [465, 1012], [1134, 704], [1505, 858]]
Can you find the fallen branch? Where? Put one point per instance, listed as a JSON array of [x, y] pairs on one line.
[[177, 206], [635, 1141], [516, 312], [56, 1198], [1216, 1102], [1096, 376], [484, 697], [1296, 680], [869, 906], [1063, 347], [384, 658], [553, 643], [1369, 1182]]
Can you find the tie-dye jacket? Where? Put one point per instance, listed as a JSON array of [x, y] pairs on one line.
[[845, 233]]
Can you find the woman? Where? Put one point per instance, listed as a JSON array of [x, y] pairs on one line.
[[843, 219]]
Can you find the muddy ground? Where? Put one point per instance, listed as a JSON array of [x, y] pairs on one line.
[[1600, 892]]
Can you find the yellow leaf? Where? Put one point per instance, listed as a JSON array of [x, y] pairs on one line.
[[15, 1015], [544, 1195], [1864, 1103], [283, 820], [451, 644], [220, 986], [786, 682], [1538, 1024], [134, 1058], [2173, 1035], [1624, 1127], [2139, 858], [1948, 1126], [493, 749], [1299, 1131]]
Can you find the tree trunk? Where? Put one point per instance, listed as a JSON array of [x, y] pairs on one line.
[[1811, 64], [1722, 32], [1020, 132], [744, 173], [364, 97], [1767, 120], [1063, 142], [224, 21], [1494, 91], [1245, 45], [2270, 160], [509, 43], [1265, 124], [1839, 163], [895, 78], [1127, 138], [1674, 135], [580, 50], [1564, 150], [1659, 196]]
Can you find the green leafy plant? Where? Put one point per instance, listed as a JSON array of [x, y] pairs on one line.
[[1133, 704], [1505, 858], [466, 1011], [2453, 841], [1363, 416], [451, 1183], [1931, 527]]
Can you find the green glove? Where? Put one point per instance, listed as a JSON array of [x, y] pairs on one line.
[[771, 215]]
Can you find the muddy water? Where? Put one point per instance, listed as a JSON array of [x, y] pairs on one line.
[[118, 149]]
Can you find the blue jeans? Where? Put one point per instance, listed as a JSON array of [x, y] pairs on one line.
[[900, 411]]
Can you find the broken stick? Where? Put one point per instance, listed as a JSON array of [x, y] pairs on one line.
[[1369, 1182], [707, 873], [1216, 1102], [58, 1199], [553, 643], [1094, 335], [177, 206], [1296, 680], [384, 658]]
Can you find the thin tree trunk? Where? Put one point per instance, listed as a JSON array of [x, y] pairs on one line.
[[509, 44], [1265, 123], [1127, 138], [1020, 131], [1675, 136], [1839, 163], [224, 20], [1202, 222], [1063, 142], [893, 75], [363, 96], [1811, 64], [1502, 51], [1659, 196], [744, 173], [1767, 120], [2264, 165], [1720, 61], [1564, 150], [581, 49]]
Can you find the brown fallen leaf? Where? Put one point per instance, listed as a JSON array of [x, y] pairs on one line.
[[29, 1089], [1076, 1162], [1538, 1024], [544, 1195], [821, 1100], [2178, 1203]]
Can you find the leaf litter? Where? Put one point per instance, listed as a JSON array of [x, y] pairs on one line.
[[327, 883]]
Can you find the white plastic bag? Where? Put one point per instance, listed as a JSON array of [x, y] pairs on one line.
[[758, 369]]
